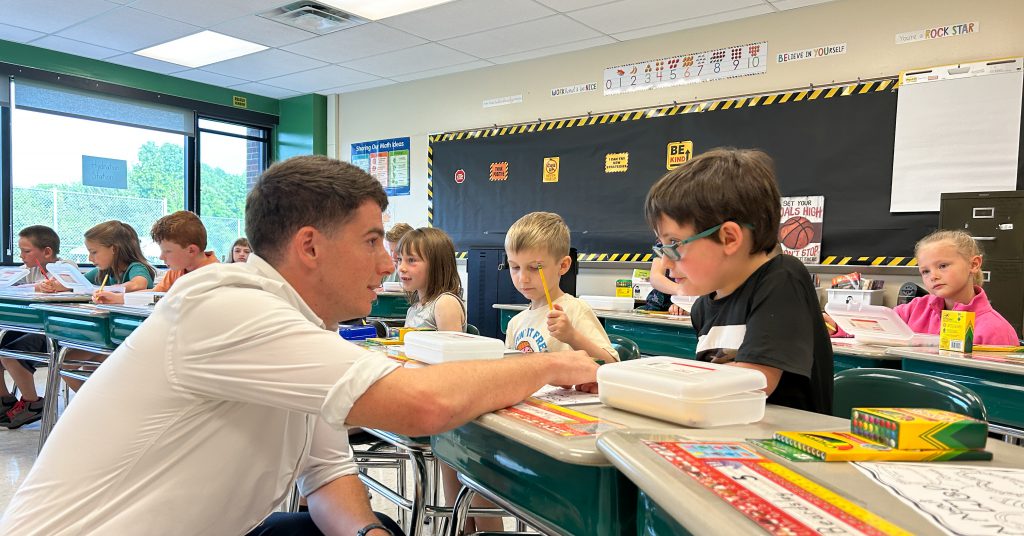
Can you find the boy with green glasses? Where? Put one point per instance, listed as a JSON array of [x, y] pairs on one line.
[[717, 219]]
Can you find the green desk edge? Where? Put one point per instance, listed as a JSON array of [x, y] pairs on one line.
[[1002, 393], [389, 307], [578, 499]]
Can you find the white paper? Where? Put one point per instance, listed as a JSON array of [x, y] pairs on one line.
[[962, 500], [955, 135], [565, 397]]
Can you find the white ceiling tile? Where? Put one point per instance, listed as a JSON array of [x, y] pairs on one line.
[[206, 77], [793, 4], [465, 17], [128, 29], [146, 64], [557, 49], [354, 43], [205, 12], [78, 48], [478, 64], [48, 16], [634, 14], [410, 60], [265, 64], [522, 37], [316, 79], [694, 23], [265, 90], [18, 35], [262, 31], [358, 87], [573, 5]]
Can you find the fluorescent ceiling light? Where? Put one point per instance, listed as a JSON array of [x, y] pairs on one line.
[[200, 49], [378, 9]]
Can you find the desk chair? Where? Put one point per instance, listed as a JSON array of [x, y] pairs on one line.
[[626, 348], [472, 330], [873, 387]]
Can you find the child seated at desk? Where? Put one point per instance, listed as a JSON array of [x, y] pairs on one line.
[[429, 276], [717, 217], [240, 250], [391, 240], [182, 239], [39, 246], [536, 244], [950, 266], [114, 248]]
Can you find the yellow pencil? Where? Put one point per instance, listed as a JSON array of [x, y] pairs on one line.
[[104, 283], [540, 268]]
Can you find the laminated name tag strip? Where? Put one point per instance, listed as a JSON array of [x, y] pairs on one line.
[[777, 499], [558, 420]]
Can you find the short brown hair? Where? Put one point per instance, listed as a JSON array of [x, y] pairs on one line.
[[182, 227], [436, 248], [396, 232], [41, 237], [313, 191], [539, 230], [723, 184]]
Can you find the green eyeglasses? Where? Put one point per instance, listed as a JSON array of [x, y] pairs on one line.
[[671, 251]]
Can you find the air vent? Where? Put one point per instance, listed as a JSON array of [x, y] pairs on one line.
[[314, 17]]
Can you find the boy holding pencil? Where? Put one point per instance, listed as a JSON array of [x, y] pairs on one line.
[[537, 247], [39, 246]]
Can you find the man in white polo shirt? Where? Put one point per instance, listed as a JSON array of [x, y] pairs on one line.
[[238, 385]]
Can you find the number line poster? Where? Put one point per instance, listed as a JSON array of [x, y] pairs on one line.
[[691, 68]]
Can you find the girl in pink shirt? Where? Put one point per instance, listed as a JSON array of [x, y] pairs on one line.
[[950, 266]]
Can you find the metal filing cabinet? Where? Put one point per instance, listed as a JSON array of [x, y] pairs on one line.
[[996, 220]]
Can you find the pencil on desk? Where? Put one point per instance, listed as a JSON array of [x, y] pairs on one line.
[[544, 282]]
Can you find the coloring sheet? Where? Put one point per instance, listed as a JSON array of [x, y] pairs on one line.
[[565, 397], [962, 500]]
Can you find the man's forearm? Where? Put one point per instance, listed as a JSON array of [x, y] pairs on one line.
[[341, 507]]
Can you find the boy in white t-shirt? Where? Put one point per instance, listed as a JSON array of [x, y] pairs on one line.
[[541, 239]]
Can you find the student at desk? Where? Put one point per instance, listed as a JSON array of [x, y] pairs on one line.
[[181, 236], [950, 266], [114, 248], [240, 250], [430, 278], [39, 246], [238, 385], [717, 217]]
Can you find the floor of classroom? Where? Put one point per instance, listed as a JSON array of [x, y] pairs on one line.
[[18, 448]]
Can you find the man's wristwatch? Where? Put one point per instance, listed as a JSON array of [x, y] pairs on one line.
[[371, 526]]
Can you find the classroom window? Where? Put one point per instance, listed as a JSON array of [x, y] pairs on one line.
[[72, 173], [231, 158]]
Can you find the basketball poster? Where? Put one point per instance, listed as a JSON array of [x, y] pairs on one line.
[[800, 230]]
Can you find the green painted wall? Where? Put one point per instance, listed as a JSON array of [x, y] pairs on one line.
[[60, 62], [303, 127]]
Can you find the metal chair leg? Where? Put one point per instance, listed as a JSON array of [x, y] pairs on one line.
[[460, 512], [52, 386]]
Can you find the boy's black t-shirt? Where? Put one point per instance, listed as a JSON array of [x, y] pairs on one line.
[[772, 319]]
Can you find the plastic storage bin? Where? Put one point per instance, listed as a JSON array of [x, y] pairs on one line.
[[867, 297], [356, 332], [691, 393], [609, 303], [874, 324], [392, 286], [448, 346]]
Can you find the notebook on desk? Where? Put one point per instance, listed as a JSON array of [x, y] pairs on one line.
[[875, 324]]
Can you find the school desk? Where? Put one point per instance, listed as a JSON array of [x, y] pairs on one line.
[[390, 305], [17, 315], [850, 355], [670, 502], [73, 327], [996, 376], [654, 334], [124, 319]]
